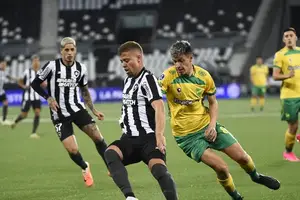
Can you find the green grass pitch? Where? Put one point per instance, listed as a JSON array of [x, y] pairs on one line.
[[41, 169]]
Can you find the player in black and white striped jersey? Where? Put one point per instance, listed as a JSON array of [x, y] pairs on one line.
[[65, 77], [30, 97], [142, 123], [3, 99]]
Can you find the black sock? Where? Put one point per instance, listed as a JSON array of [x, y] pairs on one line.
[[165, 180], [4, 112], [101, 147], [118, 172], [36, 123], [77, 158], [19, 118]]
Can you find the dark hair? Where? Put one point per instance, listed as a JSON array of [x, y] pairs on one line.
[[129, 45], [180, 47], [290, 29]]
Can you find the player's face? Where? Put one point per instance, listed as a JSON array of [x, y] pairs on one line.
[[68, 53], [183, 64], [131, 62], [35, 64], [259, 61], [289, 39], [3, 65]]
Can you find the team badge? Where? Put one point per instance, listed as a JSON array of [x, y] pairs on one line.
[[135, 87], [76, 73], [178, 90], [162, 77]]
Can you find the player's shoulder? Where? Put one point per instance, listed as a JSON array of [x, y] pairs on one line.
[[281, 52], [201, 73], [297, 48], [169, 73], [81, 65]]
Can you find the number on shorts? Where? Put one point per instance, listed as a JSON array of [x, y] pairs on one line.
[[224, 130], [58, 129]]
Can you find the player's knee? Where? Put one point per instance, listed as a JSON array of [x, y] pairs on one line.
[[242, 159], [221, 169], [111, 156], [72, 150], [24, 114], [293, 127], [159, 170]]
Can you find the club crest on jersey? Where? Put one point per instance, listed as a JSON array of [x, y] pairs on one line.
[[178, 90], [135, 87], [76, 73], [162, 77]]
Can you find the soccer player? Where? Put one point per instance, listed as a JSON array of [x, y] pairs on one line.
[[195, 126], [30, 97], [286, 68], [65, 76], [3, 99], [258, 76], [143, 123]]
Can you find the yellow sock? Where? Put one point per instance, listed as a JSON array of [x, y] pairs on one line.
[[253, 102], [289, 141], [262, 101], [250, 168], [228, 185]]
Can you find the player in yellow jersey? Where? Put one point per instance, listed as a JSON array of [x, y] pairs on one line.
[[258, 76], [195, 126], [287, 69]]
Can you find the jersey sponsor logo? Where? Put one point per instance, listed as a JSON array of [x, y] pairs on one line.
[[185, 102], [128, 101], [293, 67], [66, 82]]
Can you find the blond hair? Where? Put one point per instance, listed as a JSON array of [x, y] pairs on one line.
[[128, 46], [67, 40]]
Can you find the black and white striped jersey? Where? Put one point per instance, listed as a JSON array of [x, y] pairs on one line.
[[3, 79], [29, 94], [138, 116], [63, 82]]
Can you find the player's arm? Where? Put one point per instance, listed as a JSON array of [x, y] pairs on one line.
[[83, 85], [44, 73], [154, 96], [277, 69], [210, 91], [251, 74], [278, 75]]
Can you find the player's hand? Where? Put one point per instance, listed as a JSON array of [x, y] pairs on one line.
[[210, 134], [98, 114], [292, 73], [161, 144], [53, 104]]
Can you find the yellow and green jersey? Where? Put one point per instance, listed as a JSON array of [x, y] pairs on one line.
[[185, 99], [259, 74], [287, 59]]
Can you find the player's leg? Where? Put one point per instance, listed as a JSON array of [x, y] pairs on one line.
[[4, 101], [253, 100], [36, 105], [262, 98], [118, 153], [237, 153], [65, 133], [24, 112], [87, 124], [156, 164], [220, 167], [289, 113], [197, 148]]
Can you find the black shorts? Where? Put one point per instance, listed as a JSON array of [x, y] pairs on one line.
[[64, 128], [3, 97], [26, 105], [136, 149]]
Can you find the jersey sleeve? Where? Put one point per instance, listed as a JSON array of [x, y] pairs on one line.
[[152, 88], [44, 72], [163, 82], [210, 88], [84, 77], [277, 62]]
